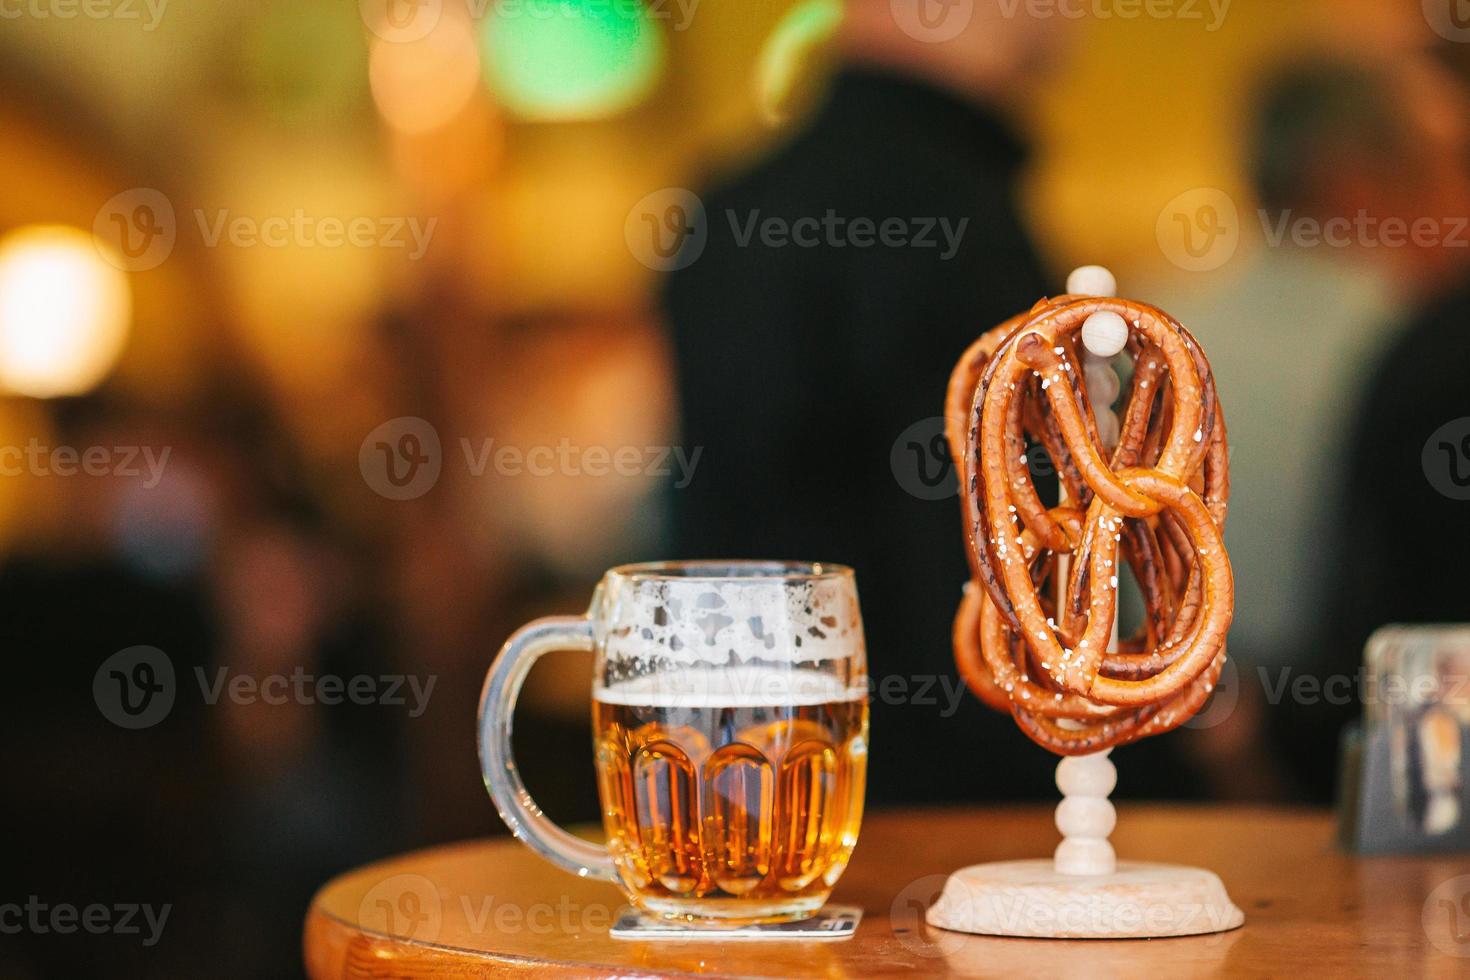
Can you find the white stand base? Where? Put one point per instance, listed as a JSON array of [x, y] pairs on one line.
[[1137, 901]]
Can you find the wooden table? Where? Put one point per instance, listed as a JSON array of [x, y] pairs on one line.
[[491, 908]]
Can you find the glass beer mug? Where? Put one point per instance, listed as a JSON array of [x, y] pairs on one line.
[[730, 725]]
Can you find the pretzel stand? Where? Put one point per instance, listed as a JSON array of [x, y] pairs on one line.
[[1036, 634]]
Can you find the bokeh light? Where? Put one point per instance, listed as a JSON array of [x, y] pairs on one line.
[[788, 51], [64, 311], [418, 86], [571, 59]]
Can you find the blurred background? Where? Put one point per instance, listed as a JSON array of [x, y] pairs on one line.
[[334, 345]]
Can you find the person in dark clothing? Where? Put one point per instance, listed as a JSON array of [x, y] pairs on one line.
[[814, 334], [1405, 513], [1391, 142]]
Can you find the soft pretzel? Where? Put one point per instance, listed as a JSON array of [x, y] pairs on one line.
[[1157, 501]]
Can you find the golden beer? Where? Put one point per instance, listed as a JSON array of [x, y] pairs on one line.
[[731, 794], [730, 728]]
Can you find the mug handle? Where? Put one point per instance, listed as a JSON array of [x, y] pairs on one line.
[[498, 765]]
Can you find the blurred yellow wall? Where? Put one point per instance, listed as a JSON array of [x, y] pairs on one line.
[[210, 104], [1150, 109]]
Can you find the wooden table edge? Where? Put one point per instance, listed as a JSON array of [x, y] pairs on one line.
[[332, 946]]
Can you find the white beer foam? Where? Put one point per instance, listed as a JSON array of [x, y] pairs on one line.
[[747, 686], [689, 621]]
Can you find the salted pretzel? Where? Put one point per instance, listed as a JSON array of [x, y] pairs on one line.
[[1038, 648]]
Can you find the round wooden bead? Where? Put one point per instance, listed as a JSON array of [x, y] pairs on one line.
[[1092, 280], [1104, 333], [1086, 816], [1086, 775]]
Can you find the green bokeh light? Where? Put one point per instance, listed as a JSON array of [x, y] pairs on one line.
[[571, 59], [804, 28]]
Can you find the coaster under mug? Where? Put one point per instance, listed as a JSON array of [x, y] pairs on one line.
[[833, 923]]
